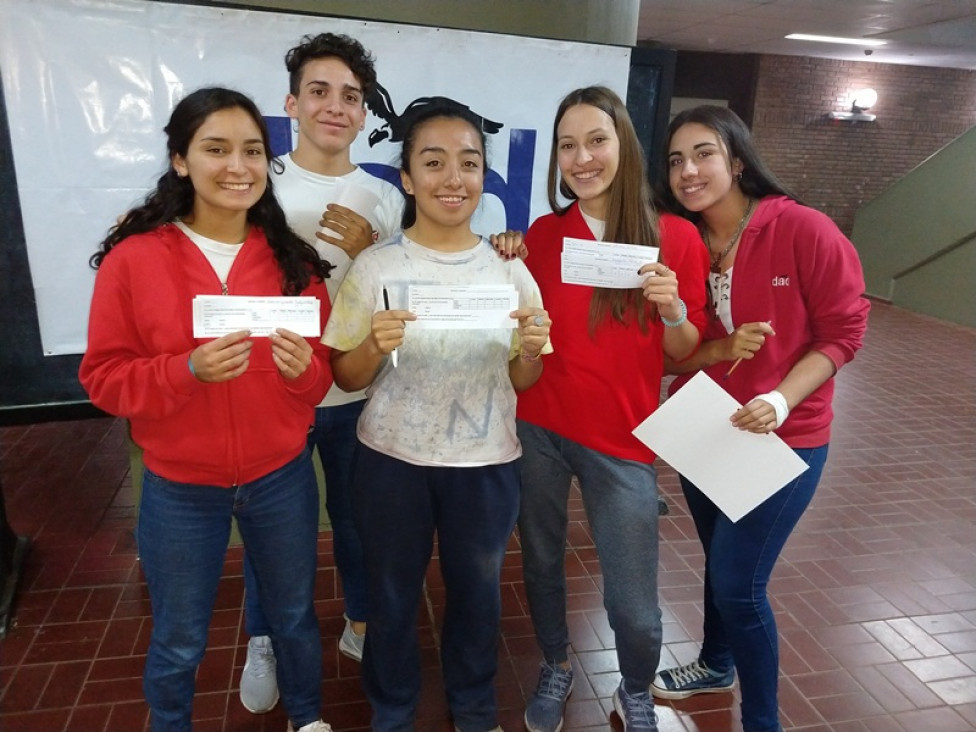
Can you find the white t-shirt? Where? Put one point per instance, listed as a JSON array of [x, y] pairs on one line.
[[220, 255], [450, 401], [304, 195]]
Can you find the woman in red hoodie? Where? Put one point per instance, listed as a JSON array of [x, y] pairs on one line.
[[786, 312], [222, 422]]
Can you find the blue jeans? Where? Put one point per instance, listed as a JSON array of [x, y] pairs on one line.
[[334, 434], [183, 533], [399, 509], [740, 628], [620, 498]]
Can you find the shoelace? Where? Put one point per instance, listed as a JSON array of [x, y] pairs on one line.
[[263, 661], [690, 673], [554, 682], [640, 711]]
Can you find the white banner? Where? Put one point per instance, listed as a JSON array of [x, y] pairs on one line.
[[89, 85]]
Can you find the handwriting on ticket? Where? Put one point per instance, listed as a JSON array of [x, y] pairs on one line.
[[218, 315], [604, 264]]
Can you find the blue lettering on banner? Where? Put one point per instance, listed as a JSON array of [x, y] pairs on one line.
[[515, 193]]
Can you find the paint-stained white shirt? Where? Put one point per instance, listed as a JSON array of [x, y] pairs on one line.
[[449, 401]]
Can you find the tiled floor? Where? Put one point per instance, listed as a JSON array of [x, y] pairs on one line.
[[875, 596]]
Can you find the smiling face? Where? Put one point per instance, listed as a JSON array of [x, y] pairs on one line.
[[329, 108], [588, 155], [227, 164], [446, 174], [699, 170]]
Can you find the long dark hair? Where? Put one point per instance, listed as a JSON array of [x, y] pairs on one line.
[[631, 217], [757, 179], [428, 113], [173, 196]]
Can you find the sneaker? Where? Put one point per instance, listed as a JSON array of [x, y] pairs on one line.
[[351, 643], [636, 711], [544, 712], [259, 683], [694, 678], [319, 726]]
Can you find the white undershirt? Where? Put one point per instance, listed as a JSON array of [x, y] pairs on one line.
[[598, 227], [720, 284], [220, 255]]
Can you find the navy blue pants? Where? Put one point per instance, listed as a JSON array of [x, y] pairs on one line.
[[399, 509]]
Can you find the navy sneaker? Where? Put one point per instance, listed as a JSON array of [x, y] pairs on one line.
[[545, 710], [636, 711], [694, 678]]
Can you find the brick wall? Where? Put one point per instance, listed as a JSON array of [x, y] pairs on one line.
[[836, 166]]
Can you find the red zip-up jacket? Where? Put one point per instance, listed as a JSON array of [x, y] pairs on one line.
[[140, 336], [795, 269]]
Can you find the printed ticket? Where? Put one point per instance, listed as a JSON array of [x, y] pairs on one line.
[[218, 315], [604, 264], [462, 307]]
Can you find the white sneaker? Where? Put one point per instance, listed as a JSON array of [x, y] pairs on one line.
[[319, 726], [351, 643], [259, 682]]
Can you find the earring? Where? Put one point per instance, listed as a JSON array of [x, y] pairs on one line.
[[294, 126], [737, 177]]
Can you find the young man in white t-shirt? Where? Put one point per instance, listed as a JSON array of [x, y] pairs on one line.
[[330, 76]]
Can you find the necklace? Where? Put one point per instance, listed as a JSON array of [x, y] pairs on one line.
[[717, 259]]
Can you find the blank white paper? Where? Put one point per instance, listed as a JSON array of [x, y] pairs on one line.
[[737, 470]]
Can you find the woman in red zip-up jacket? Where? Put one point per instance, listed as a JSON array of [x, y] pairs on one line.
[[787, 311], [222, 422]]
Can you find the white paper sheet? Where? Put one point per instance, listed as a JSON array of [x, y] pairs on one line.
[[604, 264], [737, 470], [217, 315], [456, 307]]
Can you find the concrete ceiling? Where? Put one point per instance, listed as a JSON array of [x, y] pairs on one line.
[[938, 33]]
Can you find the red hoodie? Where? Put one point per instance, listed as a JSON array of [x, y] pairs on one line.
[[140, 336], [797, 270]]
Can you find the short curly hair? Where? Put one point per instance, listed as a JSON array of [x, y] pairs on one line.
[[325, 45]]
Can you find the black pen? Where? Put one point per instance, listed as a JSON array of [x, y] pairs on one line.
[[386, 305]]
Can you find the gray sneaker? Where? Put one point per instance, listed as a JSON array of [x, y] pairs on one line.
[[636, 711], [259, 682], [547, 706], [351, 643]]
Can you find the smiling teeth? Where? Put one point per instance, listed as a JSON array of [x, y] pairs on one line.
[[236, 186]]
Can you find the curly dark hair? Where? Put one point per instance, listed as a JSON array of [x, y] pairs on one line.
[[173, 196], [345, 48]]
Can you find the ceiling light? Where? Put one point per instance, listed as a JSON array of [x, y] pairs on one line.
[[835, 39]]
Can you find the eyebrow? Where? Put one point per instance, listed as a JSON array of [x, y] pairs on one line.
[[252, 141], [435, 149], [594, 131], [345, 87], [694, 147]]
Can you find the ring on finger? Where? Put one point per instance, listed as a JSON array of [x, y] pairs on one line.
[[538, 320]]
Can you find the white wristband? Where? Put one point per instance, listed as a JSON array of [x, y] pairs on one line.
[[778, 402]]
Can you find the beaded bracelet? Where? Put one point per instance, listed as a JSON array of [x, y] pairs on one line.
[[680, 321]]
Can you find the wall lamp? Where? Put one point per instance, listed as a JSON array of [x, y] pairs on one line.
[[861, 101]]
